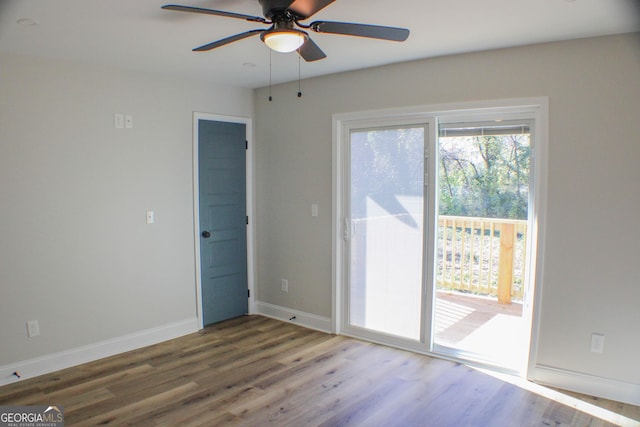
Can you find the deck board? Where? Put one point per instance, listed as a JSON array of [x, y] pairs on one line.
[[482, 328]]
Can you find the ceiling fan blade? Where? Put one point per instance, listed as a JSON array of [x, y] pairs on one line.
[[213, 12], [227, 40], [306, 8], [310, 51], [361, 30]]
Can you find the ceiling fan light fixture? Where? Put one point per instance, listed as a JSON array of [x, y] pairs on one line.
[[284, 40]]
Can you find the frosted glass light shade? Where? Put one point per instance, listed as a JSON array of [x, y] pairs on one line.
[[284, 41]]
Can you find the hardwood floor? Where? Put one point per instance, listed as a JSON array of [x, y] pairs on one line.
[[256, 371]]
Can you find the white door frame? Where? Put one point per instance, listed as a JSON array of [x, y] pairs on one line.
[[248, 122], [536, 107]]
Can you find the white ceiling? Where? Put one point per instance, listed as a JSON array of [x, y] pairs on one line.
[[137, 34]]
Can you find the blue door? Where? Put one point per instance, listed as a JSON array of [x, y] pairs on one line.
[[223, 236]]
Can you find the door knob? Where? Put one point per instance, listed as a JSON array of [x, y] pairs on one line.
[[206, 234]]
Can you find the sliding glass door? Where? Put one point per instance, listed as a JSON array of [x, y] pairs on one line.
[[387, 230], [435, 232]]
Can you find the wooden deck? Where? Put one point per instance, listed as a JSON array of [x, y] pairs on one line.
[[482, 326], [255, 371]]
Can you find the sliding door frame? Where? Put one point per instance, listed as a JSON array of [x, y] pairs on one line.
[[536, 108]]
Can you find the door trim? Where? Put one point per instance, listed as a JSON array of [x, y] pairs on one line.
[[248, 122]]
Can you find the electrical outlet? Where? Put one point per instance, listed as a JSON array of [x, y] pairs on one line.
[[597, 343], [284, 285], [33, 328]]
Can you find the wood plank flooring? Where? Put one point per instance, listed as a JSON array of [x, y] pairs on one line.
[[256, 371]]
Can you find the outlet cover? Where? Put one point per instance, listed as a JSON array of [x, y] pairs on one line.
[[284, 285], [128, 121]]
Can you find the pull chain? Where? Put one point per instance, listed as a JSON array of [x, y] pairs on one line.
[[270, 97], [299, 91]]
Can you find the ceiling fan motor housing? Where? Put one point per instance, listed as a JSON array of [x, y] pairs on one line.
[[271, 8]]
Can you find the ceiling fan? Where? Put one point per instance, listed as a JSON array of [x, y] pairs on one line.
[[283, 16]]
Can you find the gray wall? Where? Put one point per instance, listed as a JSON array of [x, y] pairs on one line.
[[591, 279], [75, 251]]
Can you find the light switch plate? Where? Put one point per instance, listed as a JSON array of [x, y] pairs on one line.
[[118, 120], [150, 217], [597, 343], [33, 328]]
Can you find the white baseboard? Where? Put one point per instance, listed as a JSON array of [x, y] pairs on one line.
[[311, 321], [586, 384], [76, 356]]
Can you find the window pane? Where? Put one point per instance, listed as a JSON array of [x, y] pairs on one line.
[[387, 199]]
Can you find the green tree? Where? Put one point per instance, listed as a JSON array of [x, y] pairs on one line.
[[485, 176]]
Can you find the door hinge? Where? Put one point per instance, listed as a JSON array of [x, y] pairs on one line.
[[247, 220], [246, 145], [248, 293]]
